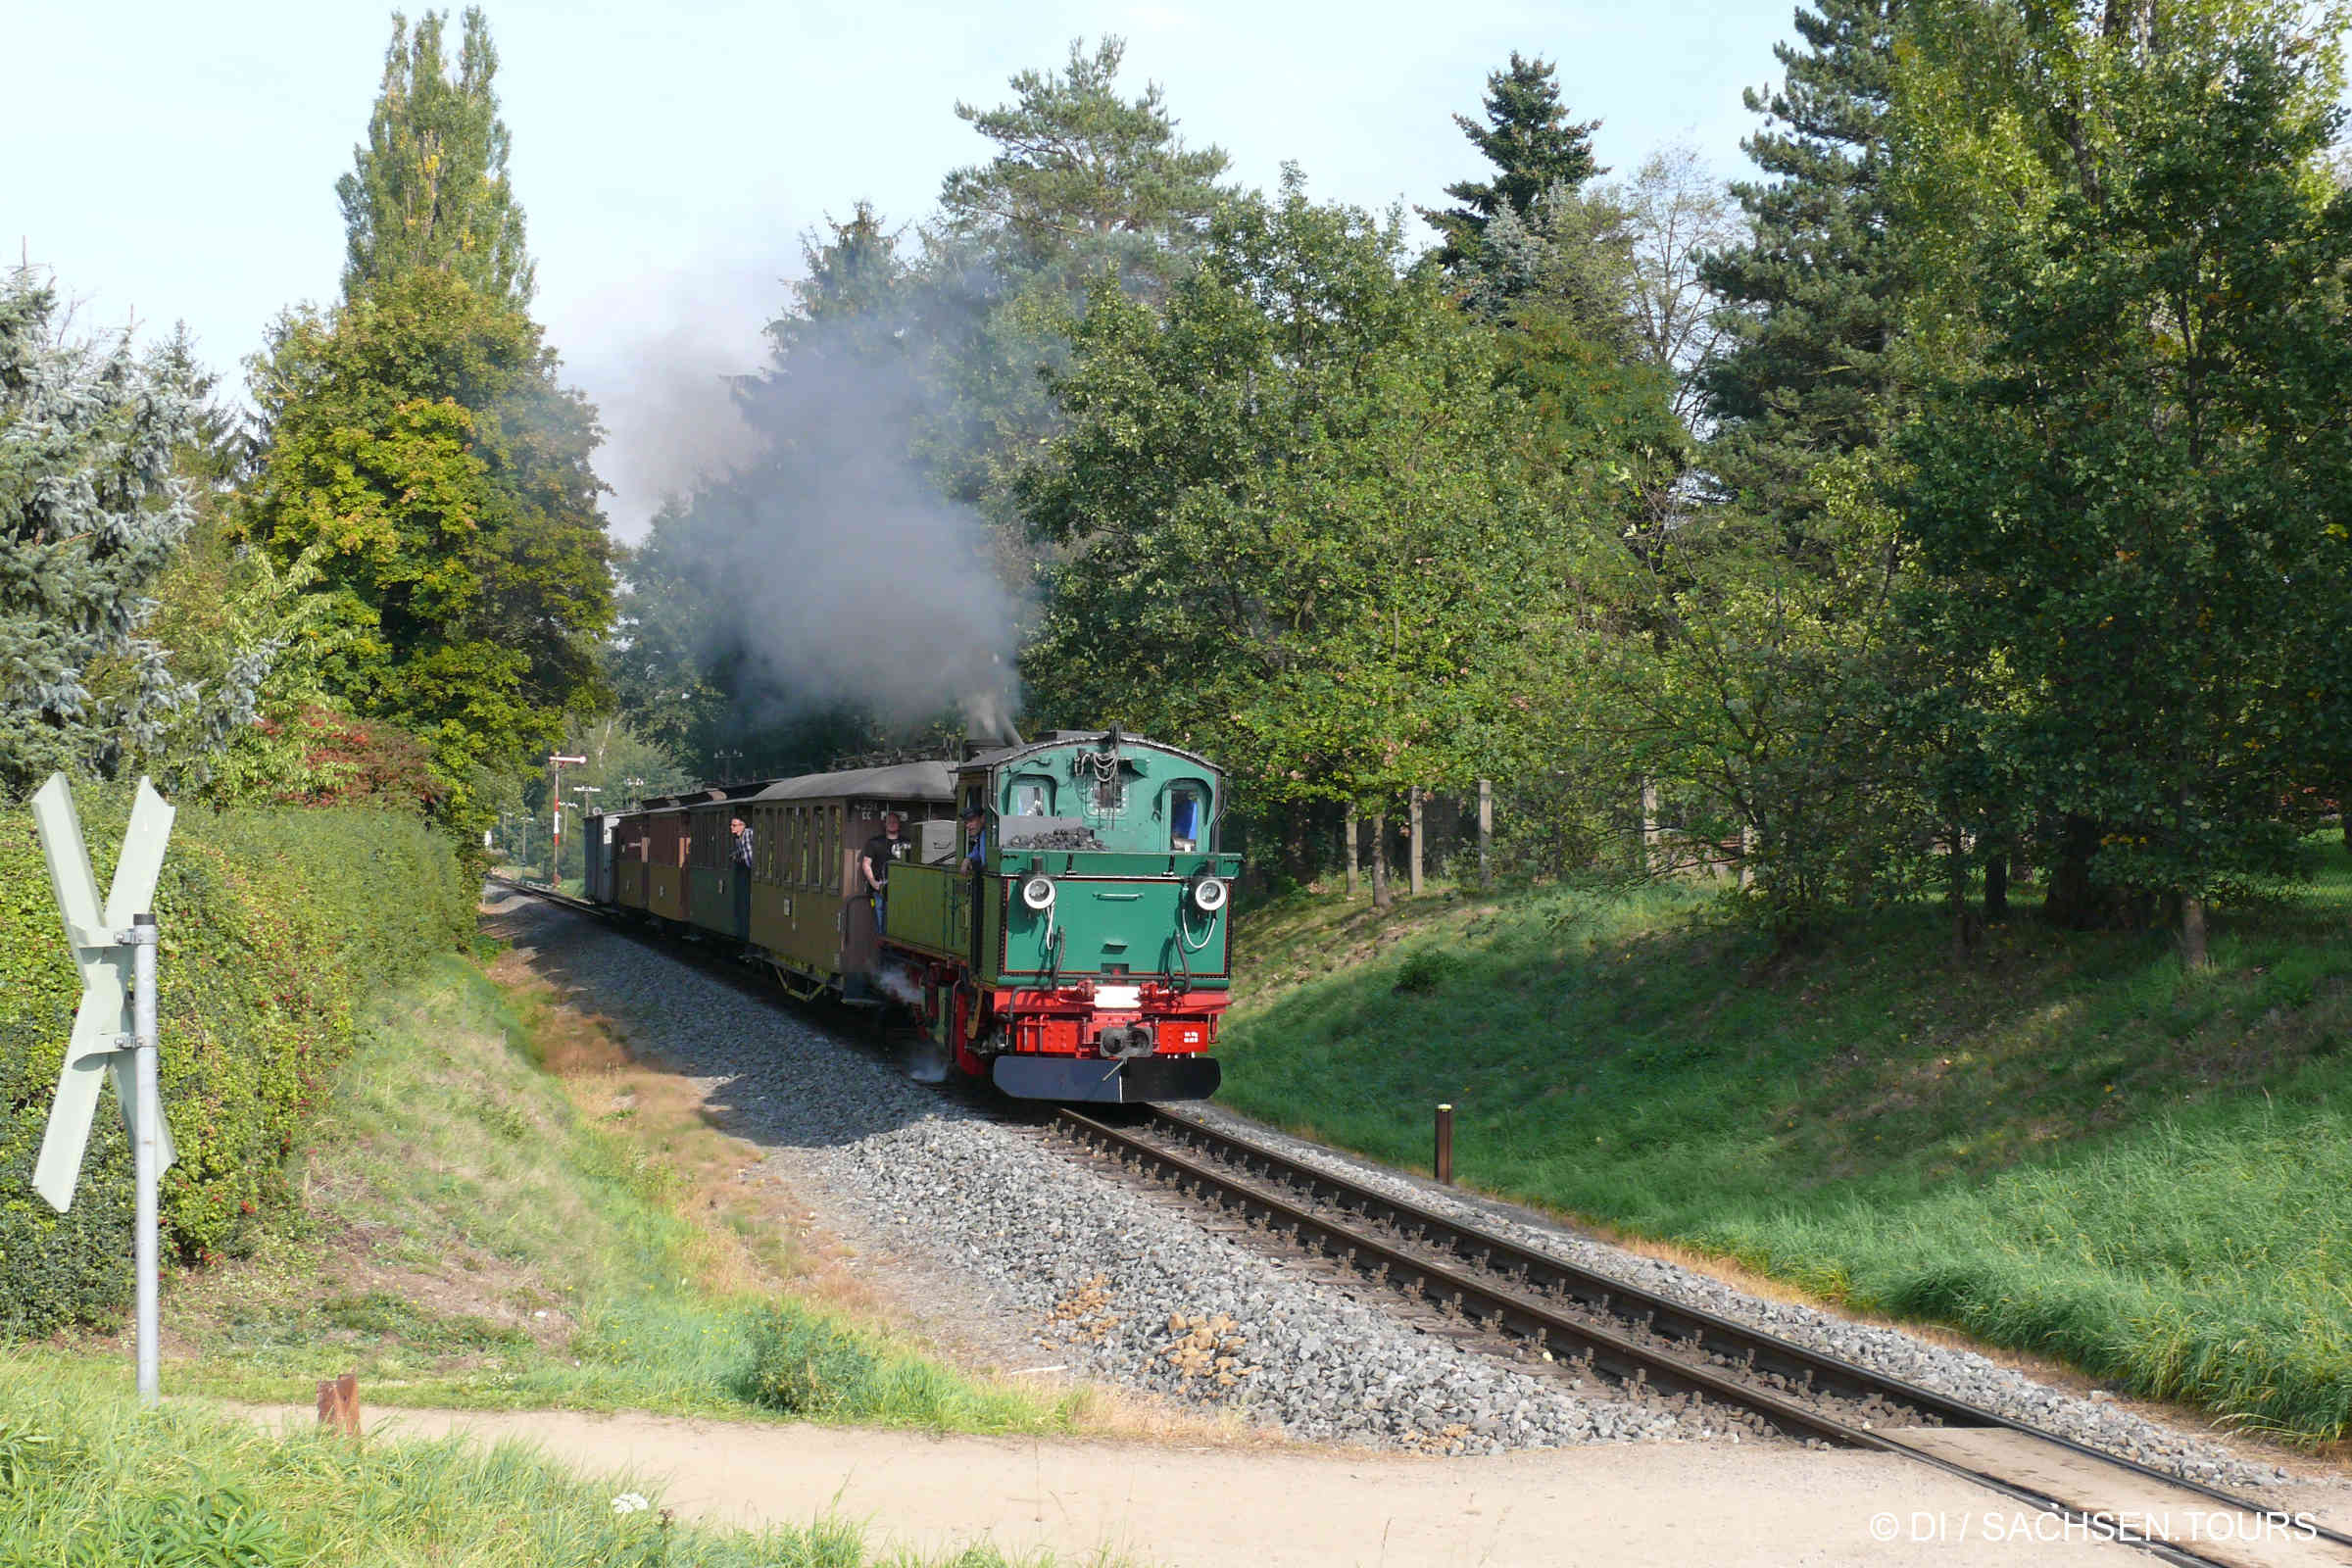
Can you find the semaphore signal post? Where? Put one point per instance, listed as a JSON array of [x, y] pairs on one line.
[[115, 947]]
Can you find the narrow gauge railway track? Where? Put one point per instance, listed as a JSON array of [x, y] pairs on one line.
[[1634, 1336]]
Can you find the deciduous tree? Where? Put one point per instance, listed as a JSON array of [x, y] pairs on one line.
[[429, 187], [421, 432], [1300, 530], [2131, 488]]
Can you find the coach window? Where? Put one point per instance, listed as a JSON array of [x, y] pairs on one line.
[[1188, 817]]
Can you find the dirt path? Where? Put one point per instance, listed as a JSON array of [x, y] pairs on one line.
[[1632, 1504]]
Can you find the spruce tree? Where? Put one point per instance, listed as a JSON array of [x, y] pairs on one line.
[[1533, 145], [429, 185], [1813, 296], [92, 510]]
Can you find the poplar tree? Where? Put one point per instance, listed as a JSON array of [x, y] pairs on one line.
[[1533, 145], [418, 430], [429, 187]]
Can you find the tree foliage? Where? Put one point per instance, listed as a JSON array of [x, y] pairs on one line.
[[1081, 175], [92, 507], [1533, 146], [418, 431], [2128, 482], [1082, 182], [1811, 299], [1299, 530], [428, 188]]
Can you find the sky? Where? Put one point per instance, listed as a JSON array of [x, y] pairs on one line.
[[668, 157]]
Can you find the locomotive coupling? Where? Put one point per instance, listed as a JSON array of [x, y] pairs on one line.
[[1127, 1040]]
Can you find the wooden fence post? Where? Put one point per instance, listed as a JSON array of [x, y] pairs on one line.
[[339, 1403], [1486, 835], [1413, 814], [1649, 826]]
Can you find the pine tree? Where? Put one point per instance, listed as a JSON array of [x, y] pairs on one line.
[[92, 509], [1082, 172], [1533, 145], [1082, 179], [429, 187], [1814, 295]]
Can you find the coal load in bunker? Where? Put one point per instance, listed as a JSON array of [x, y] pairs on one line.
[[1055, 912]]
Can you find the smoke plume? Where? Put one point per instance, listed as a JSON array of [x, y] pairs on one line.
[[827, 571]]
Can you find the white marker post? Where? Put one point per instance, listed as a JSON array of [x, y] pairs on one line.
[[115, 950]]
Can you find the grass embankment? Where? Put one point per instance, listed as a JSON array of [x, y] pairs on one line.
[[2070, 1146], [495, 1208], [89, 1479]]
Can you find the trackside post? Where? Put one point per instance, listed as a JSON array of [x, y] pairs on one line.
[[115, 950]]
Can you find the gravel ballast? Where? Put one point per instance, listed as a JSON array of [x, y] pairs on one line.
[[1136, 1290]]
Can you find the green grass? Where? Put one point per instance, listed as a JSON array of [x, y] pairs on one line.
[[465, 1233], [89, 1479], [2069, 1145]]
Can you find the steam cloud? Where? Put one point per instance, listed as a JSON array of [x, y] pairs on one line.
[[826, 570]]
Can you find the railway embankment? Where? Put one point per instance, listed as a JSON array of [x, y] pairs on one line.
[[277, 928], [495, 1207], [2067, 1147]]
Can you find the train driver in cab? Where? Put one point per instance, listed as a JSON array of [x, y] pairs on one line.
[[975, 833]]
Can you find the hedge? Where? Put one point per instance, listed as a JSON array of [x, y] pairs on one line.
[[277, 925]]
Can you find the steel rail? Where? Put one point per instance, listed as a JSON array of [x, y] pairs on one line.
[[1502, 1306]]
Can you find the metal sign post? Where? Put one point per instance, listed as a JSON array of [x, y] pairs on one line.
[[115, 950], [555, 788]]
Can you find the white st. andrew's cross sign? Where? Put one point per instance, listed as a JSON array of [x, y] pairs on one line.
[[101, 1037]]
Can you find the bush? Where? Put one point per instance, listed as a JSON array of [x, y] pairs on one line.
[[1426, 969], [275, 924], [806, 1366]]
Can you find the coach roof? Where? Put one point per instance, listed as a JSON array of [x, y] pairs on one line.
[[901, 781]]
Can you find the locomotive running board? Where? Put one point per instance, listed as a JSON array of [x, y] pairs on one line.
[[1088, 1080]]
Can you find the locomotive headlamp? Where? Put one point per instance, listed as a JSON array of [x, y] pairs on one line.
[[1036, 892], [1209, 894]]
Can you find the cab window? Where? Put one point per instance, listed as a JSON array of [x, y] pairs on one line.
[[1032, 794], [1188, 817]]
